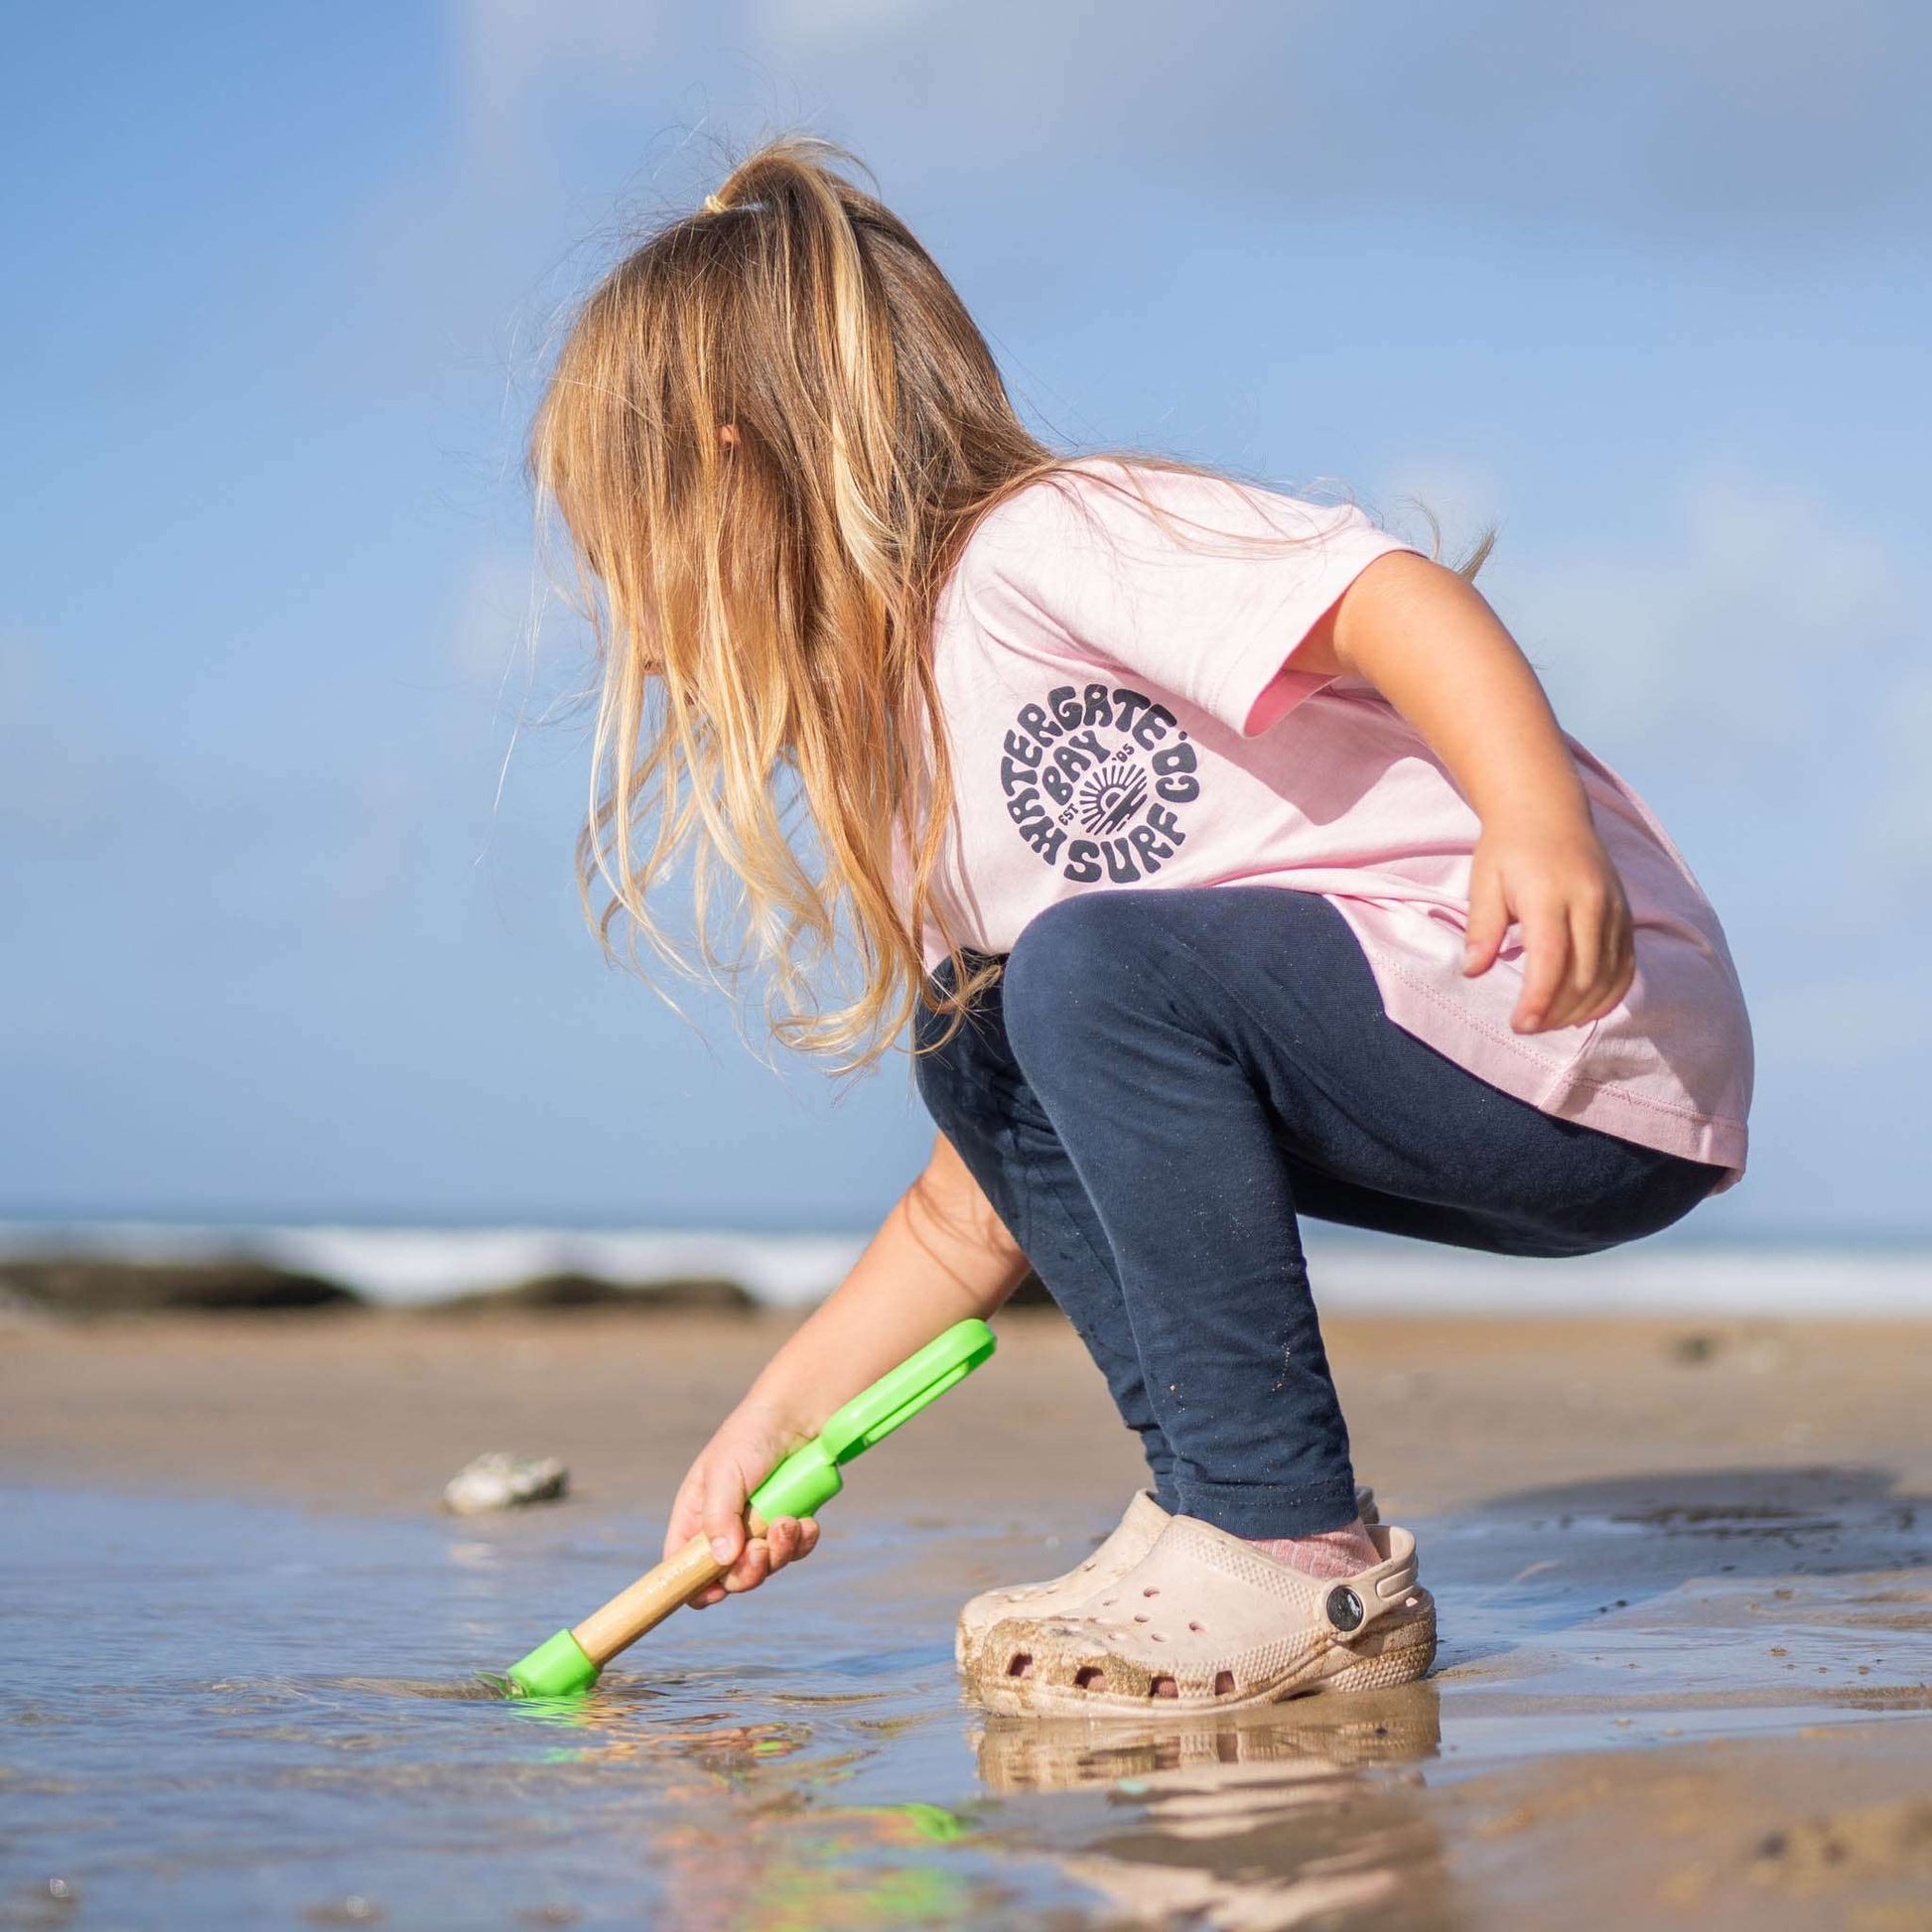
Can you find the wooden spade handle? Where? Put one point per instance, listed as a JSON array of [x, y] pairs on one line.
[[651, 1598]]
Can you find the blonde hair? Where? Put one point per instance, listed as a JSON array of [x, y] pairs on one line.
[[770, 431]]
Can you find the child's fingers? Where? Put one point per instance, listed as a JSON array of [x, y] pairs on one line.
[[786, 1541], [1618, 971], [1572, 991], [685, 1521], [723, 1512], [1545, 947], [762, 1557], [754, 1564], [790, 1539], [1601, 928], [1590, 963], [1488, 925], [1625, 976]]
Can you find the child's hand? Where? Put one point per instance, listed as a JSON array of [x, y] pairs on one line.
[[1561, 889], [713, 1495]]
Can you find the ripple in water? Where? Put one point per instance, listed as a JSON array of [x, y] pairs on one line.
[[224, 1714]]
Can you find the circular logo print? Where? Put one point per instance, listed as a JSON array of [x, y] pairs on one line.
[[1097, 781]]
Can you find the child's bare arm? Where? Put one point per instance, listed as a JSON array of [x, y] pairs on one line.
[[1429, 643], [940, 1256]]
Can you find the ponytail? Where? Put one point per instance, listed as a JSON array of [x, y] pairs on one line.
[[769, 433]]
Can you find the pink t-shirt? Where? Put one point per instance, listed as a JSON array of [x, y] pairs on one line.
[[1121, 715]]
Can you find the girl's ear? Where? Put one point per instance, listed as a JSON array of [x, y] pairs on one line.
[[728, 436]]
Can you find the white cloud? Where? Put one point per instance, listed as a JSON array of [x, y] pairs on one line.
[[1752, 610]]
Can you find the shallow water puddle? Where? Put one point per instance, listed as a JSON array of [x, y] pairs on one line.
[[231, 1713], [219, 1713], [1659, 1608]]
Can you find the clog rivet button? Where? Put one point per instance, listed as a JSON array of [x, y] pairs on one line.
[[1344, 1608]]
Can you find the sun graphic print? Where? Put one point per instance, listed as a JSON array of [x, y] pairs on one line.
[[1109, 762], [1113, 797]]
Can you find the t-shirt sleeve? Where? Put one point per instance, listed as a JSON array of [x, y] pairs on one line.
[[1208, 598]]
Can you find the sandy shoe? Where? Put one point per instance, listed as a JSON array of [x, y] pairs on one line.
[[1206, 1621], [1131, 1538]]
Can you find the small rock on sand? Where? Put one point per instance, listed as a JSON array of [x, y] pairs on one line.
[[500, 1480]]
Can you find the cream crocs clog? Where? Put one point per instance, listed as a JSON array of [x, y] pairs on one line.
[[1206, 1621], [1130, 1540], [1126, 1544]]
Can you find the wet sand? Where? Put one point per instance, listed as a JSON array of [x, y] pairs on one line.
[[376, 1411], [1685, 1570]]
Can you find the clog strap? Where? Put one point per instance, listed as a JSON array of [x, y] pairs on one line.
[[1352, 1604]]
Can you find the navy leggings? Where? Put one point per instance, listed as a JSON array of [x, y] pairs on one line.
[[1154, 1090]]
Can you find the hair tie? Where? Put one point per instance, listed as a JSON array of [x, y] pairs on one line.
[[713, 206]]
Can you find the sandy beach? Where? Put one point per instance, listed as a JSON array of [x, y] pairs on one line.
[[373, 1410], [1685, 1596]]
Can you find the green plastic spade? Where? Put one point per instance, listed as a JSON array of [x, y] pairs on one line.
[[802, 1485]]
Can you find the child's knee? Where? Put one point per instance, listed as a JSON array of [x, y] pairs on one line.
[[1068, 962]]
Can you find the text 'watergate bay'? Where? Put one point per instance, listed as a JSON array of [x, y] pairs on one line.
[[1111, 763]]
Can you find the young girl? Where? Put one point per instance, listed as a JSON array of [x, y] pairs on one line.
[[1220, 854]]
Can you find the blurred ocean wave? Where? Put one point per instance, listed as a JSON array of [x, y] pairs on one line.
[[415, 1267]]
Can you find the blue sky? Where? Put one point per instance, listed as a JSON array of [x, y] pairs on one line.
[[287, 794]]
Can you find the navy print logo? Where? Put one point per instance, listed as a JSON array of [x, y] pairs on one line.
[[1106, 762], [1113, 797]]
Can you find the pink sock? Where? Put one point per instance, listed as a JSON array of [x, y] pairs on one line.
[[1334, 1552]]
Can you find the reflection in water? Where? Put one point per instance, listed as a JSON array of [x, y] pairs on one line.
[[1259, 1820], [1387, 1727], [239, 1714]]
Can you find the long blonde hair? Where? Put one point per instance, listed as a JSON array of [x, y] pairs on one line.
[[769, 431]]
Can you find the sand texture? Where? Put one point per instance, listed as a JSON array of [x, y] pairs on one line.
[[1685, 1573]]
